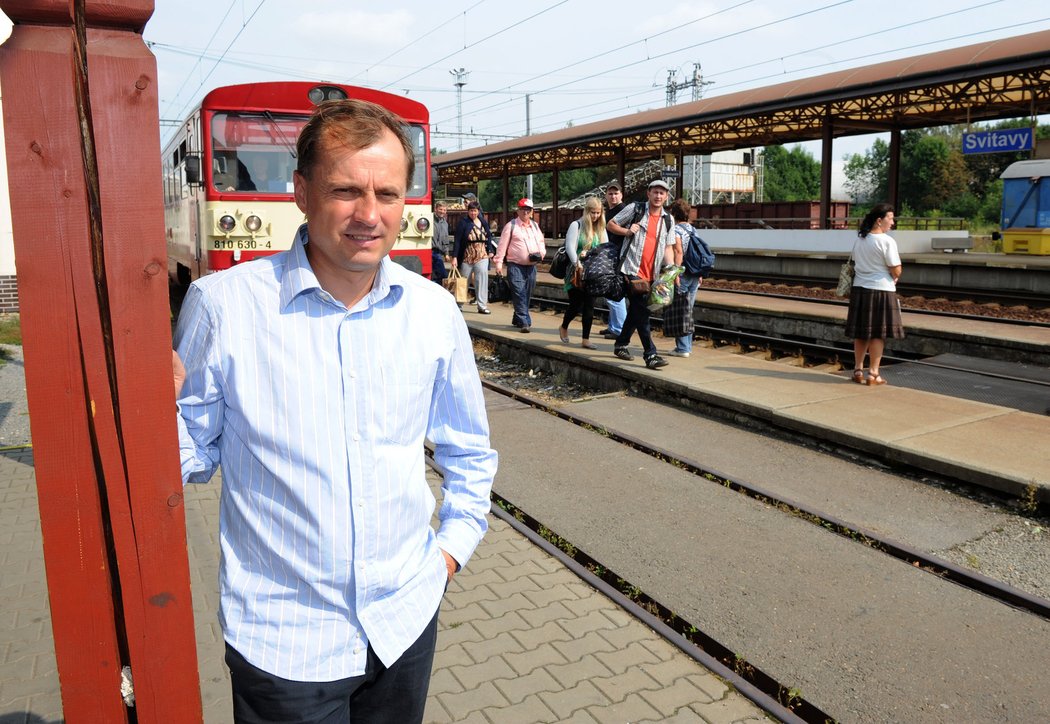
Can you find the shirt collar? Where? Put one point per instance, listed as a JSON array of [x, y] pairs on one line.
[[299, 276]]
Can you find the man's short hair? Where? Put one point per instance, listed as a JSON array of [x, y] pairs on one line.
[[353, 124]]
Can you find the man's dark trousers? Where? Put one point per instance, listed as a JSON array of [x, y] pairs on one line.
[[394, 695]]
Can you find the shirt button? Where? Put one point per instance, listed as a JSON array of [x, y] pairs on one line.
[[357, 437]]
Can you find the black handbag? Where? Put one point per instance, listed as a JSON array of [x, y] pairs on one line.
[[499, 288], [601, 276], [560, 263]]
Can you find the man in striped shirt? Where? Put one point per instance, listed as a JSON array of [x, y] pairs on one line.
[[313, 376]]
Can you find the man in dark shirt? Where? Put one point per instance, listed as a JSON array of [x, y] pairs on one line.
[[617, 310], [440, 244]]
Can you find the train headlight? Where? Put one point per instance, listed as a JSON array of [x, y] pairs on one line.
[[404, 225], [253, 223], [227, 223], [422, 224]]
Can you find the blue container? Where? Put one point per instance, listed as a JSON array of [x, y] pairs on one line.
[[1026, 195]]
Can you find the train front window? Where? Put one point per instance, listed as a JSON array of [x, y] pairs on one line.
[[417, 137], [253, 153]]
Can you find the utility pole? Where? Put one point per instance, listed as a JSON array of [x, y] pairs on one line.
[[528, 132], [461, 80]]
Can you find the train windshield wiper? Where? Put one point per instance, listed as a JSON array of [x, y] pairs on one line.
[[284, 139]]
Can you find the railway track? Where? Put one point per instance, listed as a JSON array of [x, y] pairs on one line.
[[781, 699], [814, 352], [917, 293]]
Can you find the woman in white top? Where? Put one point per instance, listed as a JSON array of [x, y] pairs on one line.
[[874, 313]]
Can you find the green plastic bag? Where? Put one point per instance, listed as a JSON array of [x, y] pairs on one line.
[[662, 291]]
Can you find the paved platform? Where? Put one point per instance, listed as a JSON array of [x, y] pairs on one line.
[[521, 639], [975, 442]]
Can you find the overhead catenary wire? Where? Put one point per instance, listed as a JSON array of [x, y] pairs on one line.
[[867, 54]]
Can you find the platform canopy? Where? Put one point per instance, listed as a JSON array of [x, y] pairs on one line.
[[997, 79]]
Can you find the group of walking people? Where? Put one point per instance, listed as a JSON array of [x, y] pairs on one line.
[[647, 237]]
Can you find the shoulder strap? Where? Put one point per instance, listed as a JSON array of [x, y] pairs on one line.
[[639, 211]]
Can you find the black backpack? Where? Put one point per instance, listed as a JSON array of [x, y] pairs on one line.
[[698, 259]]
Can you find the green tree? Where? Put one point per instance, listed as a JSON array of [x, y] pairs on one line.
[[790, 175], [867, 174]]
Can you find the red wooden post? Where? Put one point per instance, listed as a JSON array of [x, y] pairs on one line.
[[83, 150]]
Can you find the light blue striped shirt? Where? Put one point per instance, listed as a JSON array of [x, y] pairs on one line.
[[318, 415]]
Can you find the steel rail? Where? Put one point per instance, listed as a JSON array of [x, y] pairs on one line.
[[757, 686], [1009, 298], [997, 590], [813, 350]]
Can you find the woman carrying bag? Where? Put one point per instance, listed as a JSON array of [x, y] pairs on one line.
[[874, 312], [471, 253], [583, 235]]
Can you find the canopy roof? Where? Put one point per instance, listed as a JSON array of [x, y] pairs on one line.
[[996, 79]]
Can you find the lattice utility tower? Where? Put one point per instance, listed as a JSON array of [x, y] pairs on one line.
[[461, 80], [697, 84], [692, 174]]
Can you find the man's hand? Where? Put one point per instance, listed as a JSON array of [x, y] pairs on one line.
[[450, 565], [178, 372]]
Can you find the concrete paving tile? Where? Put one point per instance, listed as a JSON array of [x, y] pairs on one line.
[[476, 579], [670, 698], [505, 589], [592, 621], [579, 717], [514, 603], [582, 696], [732, 710], [685, 715], [450, 655], [495, 549], [556, 611], [518, 570], [547, 633], [473, 675], [489, 627], [543, 655], [553, 578], [518, 688], [710, 684], [434, 713], [481, 651], [617, 687], [672, 668], [633, 655], [583, 668], [485, 696], [546, 596], [475, 717], [455, 634], [624, 635], [443, 682], [664, 650], [590, 600], [589, 644], [453, 615], [531, 710], [631, 709]]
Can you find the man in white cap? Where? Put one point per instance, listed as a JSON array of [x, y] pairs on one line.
[[521, 245], [648, 245]]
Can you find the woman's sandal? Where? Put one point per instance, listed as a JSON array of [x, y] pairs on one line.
[[858, 377], [876, 379], [563, 334], [587, 344]]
